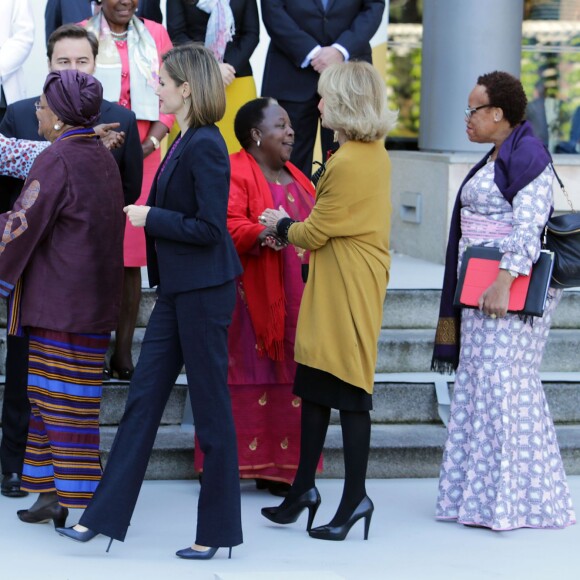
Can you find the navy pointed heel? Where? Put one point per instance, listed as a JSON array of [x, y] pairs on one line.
[[83, 537], [191, 554]]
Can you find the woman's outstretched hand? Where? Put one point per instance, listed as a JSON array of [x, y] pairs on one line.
[[111, 139]]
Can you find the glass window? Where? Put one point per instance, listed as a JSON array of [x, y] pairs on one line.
[[550, 70]]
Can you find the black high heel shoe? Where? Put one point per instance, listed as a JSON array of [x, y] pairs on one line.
[[121, 374], [337, 533], [191, 554], [53, 511], [77, 536], [290, 509]]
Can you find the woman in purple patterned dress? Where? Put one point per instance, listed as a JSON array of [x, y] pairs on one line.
[[501, 467]]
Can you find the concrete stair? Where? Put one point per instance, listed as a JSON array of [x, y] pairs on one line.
[[407, 433]]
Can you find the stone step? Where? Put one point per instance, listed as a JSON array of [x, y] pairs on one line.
[[415, 309], [420, 309], [402, 398], [115, 396], [396, 451], [410, 350]]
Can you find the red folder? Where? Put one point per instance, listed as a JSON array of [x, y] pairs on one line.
[[480, 274]]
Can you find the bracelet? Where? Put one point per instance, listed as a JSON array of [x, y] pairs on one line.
[[155, 141], [283, 226]]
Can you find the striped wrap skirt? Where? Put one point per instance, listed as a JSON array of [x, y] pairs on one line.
[[65, 376]]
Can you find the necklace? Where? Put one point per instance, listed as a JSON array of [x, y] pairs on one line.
[[119, 36], [276, 179]]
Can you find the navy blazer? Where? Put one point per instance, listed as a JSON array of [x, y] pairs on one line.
[[297, 26], [188, 243], [187, 23], [20, 121], [58, 12]]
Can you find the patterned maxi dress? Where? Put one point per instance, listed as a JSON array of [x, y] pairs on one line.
[[502, 467]]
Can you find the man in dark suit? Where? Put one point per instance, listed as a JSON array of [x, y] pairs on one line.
[[58, 12], [307, 36], [70, 46]]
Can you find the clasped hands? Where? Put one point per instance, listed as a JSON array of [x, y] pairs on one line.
[[325, 57], [269, 236]]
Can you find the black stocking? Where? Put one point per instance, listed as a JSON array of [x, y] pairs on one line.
[[356, 439], [43, 500], [314, 424]]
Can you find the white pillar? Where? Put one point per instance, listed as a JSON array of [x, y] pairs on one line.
[[462, 39]]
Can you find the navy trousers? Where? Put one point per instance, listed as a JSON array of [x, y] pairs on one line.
[[191, 328]]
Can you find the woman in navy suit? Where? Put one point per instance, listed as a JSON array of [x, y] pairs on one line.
[[192, 260]]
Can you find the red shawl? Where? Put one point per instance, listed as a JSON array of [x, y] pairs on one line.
[[263, 272]]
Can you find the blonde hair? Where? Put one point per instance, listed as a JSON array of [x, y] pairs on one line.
[[355, 101], [196, 65]]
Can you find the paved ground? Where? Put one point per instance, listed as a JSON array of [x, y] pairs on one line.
[[405, 543]]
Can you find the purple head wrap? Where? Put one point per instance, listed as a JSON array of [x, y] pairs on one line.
[[74, 97]]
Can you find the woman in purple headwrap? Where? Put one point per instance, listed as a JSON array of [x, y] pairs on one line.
[[61, 246]]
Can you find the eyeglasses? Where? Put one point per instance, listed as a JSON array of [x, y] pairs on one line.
[[38, 106], [470, 110]]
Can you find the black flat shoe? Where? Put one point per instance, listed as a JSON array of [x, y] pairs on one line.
[[191, 554], [53, 511], [290, 509], [11, 483], [337, 533], [77, 536]]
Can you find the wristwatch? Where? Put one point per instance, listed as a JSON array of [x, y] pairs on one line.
[[155, 141]]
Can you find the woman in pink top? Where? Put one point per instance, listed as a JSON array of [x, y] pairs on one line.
[[128, 62]]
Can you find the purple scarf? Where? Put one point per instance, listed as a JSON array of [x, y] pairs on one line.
[[522, 158]]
